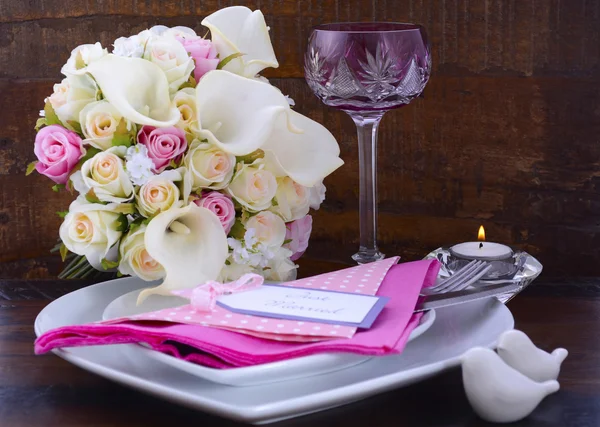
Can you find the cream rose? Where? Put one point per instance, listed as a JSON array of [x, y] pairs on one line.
[[71, 96], [99, 121], [293, 199], [185, 101], [105, 174], [208, 166], [59, 96], [91, 229], [172, 58], [253, 187], [158, 194], [135, 259], [81, 57], [269, 228]]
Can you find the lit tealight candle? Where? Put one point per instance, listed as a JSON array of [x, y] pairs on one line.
[[482, 250]]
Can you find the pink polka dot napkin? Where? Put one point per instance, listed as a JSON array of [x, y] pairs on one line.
[[362, 279], [221, 348]]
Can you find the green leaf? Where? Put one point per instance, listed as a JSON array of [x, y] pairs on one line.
[[63, 252], [123, 224], [62, 214], [228, 59], [249, 158], [91, 197], [119, 274], [40, 123], [108, 265], [238, 230], [51, 117], [56, 188], [89, 153], [191, 82], [74, 126], [286, 241], [30, 168], [122, 136], [125, 208]]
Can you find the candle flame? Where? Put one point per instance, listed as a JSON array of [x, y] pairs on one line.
[[481, 234]]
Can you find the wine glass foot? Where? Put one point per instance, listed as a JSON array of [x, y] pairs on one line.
[[365, 256]]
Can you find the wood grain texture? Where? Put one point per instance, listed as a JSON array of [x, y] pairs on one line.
[[506, 135], [47, 391]]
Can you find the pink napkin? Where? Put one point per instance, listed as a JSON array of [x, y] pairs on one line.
[[221, 348]]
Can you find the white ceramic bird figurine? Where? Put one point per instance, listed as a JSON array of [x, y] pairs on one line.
[[497, 392], [517, 350]]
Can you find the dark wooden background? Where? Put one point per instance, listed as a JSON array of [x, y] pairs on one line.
[[507, 134]]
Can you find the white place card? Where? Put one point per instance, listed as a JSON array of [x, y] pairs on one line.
[[282, 302]]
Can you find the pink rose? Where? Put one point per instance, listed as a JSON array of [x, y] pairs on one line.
[[58, 151], [204, 54], [221, 205], [163, 144], [298, 232]]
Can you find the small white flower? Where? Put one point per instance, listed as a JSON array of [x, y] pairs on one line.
[[42, 113], [130, 47], [138, 164], [250, 237]]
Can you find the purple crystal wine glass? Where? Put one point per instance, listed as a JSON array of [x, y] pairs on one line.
[[366, 69]]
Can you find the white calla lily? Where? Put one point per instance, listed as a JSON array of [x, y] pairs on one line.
[[241, 115], [190, 244], [239, 30], [236, 114], [137, 88], [303, 148]]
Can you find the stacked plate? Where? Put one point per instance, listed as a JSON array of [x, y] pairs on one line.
[[275, 391]]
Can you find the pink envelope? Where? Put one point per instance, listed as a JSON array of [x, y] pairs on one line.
[[221, 348]]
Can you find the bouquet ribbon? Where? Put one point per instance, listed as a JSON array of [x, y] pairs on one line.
[[204, 297]]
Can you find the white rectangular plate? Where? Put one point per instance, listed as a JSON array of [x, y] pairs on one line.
[[455, 330]]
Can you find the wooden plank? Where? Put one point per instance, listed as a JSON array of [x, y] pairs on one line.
[[519, 155], [532, 37]]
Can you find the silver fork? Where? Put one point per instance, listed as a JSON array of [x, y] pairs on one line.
[[460, 280]]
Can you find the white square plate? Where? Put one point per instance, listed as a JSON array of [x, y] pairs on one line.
[[285, 370], [455, 330]]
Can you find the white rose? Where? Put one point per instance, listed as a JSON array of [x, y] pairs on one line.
[[280, 267], [293, 199], [81, 57], [99, 121], [238, 29], [180, 31], [71, 96], [185, 101], [158, 194], [208, 166], [91, 229], [135, 259], [130, 47], [105, 174], [317, 195], [170, 55], [269, 228], [253, 187]]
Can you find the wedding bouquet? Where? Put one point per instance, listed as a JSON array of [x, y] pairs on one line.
[[188, 165]]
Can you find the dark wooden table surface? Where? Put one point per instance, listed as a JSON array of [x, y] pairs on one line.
[[45, 391]]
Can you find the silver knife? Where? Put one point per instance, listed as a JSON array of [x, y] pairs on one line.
[[467, 295]]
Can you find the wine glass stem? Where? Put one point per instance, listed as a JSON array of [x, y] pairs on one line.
[[367, 125]]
